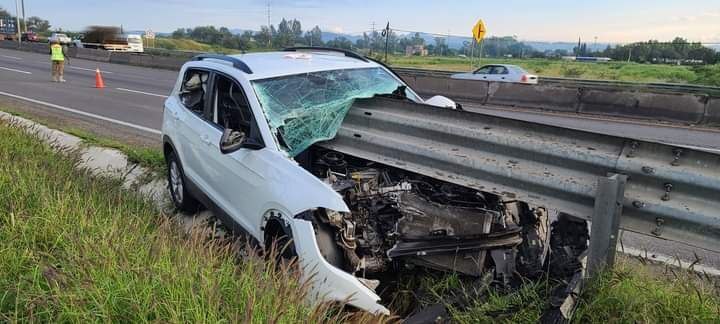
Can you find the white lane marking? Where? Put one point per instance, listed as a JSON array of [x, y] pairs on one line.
[[14, 70], [11, 57], [86, 114], [142, 92], [86, 69]]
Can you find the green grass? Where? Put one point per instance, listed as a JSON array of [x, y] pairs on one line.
[[190, 45], [74, 248], [148, 157], [630, 293], [636, 294]]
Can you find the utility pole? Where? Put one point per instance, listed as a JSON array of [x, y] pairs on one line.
[[447, 44], [17, 22], [387, 39], [22, 6], [595, 49], [268, 24], [482, 42], [372, 39]]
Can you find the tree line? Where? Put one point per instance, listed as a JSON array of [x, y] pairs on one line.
[[678, 51], [33, 23], [290, 33]]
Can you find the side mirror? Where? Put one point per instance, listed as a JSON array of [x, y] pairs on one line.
[[231, 141], [442, 102]]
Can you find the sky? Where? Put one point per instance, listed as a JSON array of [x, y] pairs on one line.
[[611, 21]]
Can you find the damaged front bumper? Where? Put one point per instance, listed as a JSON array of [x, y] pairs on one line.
[[327, 281]]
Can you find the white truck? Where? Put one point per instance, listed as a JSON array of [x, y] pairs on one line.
[[110, 39]]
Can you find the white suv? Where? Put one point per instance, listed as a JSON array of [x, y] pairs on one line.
[[239, 136]]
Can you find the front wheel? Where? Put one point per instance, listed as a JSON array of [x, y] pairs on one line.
[[181, 198]]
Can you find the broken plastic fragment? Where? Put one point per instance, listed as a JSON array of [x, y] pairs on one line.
[[310, 107]]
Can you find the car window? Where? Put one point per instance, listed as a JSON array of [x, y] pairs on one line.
[[192, 92], [484, 70], [499, 70], [230, 106]]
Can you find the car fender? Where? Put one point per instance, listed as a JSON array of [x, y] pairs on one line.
[[299, 191], [296, 190]]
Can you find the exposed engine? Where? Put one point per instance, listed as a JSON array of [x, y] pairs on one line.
[[399, 218]]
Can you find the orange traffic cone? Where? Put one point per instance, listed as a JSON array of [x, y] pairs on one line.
[[99, 83]]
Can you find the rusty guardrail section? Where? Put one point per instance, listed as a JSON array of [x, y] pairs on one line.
[[672, 193]]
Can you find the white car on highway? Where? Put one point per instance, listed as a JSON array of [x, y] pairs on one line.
[[238, 135], [499, 73], [60, 38]]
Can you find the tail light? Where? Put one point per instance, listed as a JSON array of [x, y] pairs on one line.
[[524, 78]]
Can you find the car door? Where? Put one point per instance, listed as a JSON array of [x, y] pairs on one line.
[[499, 73], [240, 187], [482, 73], [189, 121]]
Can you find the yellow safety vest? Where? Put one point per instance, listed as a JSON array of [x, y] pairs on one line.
[[57, 53]]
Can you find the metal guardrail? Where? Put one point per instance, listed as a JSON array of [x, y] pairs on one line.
[[672, 193], [656, 86]]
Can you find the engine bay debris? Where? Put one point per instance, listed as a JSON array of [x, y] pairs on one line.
[[400, 220]]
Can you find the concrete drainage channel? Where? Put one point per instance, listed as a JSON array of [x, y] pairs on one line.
[[106, 162]]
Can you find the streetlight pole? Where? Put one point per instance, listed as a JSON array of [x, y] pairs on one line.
[[595, 45], [22, 7], [17, 22]]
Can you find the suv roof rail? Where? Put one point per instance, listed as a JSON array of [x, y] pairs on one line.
[[347, 53], [236, 62]]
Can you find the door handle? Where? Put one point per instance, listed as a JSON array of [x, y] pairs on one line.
[[205, 139], [175, 115]]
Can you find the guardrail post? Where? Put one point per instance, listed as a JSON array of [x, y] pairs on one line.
[[606, 222]]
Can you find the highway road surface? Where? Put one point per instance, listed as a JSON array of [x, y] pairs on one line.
[[130, 109]]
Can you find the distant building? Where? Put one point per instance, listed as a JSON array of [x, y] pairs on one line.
[[416, 50]]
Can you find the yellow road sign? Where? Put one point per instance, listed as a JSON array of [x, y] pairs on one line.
[[479, 30]]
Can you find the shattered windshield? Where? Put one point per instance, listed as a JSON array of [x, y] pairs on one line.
[[310, 107]]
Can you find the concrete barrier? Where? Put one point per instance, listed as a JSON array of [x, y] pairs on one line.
[[42, 48], [120, 58], [712, 115], [8, 44], [93, 54], [162, 62], [468, 89], [431, 84], [529, 96], [683, 108]]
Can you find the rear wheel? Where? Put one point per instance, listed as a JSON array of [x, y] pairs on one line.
[[182, 199]]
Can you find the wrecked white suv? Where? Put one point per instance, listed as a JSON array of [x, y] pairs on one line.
[[240, 135]]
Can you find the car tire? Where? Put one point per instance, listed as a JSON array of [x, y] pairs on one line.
[[177, 185]]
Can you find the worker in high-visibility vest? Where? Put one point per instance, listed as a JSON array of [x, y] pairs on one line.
[[59, 58]]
